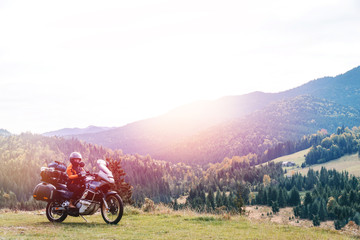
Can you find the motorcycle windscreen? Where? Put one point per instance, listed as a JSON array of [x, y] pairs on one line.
[[104, 172], [107, 177], [103, 168]]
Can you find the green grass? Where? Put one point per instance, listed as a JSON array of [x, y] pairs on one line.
[[298, 158], [350, 163], [170, 225]]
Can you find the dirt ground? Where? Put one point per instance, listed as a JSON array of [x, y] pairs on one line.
[[286, 216]]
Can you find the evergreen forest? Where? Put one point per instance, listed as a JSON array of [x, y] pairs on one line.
[[225, 186]]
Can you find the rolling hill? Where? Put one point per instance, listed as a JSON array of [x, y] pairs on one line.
[[247, 121], [343, 89], [4, 132], [76, 131], [279, 122], [349, 163], [152, 135]]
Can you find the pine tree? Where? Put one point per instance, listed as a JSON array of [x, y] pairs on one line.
[[211, 200], [240, 204], [282, 198], [275, 207], [294, 198], [314, 209], [322, 211], [308, 198], [316, 221], [225, 200], [175, 206], [124, 189], [259, 197], [218, 199], [231, 200]]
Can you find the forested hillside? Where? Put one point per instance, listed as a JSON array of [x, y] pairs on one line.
[[327, 194], [224, 186], [343, 89], [153, 135], [22, 156], [344, 141], [282, 121], [336, 103]]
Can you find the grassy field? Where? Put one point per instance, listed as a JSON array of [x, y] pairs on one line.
[[164, 224], [298, 158], [350, 163]]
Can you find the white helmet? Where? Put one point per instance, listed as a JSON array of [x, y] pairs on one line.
[[75, 155]]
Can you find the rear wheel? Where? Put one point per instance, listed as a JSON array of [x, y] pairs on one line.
[[115, 210], [55, 215]]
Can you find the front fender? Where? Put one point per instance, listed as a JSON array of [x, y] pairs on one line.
[[110, 193], [106, 195]]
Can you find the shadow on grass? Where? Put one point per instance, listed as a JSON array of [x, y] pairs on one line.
[[71, 224], [202, 219]]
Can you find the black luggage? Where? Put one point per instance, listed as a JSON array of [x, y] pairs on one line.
[[44, 192], [58, 166], [50, 175]]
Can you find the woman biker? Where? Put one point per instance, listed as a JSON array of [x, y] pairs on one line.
[[74, 171]]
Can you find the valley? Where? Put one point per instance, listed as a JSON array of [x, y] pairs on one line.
[[217, 155]]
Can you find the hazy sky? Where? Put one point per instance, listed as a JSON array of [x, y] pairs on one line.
[[108, 63]]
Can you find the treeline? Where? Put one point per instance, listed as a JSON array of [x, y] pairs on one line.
[[344, 141], [22, 156], [237, 179], [335, 196], [202, 200], [158, 180], [228, 185], [330, 195], [277, 197], [290, 147], [232, 171]]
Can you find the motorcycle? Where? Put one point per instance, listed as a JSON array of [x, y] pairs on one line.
[[98, 193]]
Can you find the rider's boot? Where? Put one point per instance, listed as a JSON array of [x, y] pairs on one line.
[[71, 205]]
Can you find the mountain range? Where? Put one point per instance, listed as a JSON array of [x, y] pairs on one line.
[[4, 132], [209, 131], [77, 131]]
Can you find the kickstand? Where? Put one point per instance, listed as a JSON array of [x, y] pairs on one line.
[[84, 218]]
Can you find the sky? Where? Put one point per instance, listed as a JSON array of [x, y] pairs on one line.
[[66, 64]]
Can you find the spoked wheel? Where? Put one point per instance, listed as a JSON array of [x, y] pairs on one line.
[[115, 210], [55, 215]]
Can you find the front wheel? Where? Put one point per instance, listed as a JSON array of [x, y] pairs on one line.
[[115, 210], [55, 215]]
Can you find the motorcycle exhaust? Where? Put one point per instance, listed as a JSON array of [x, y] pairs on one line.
[[58, 209]]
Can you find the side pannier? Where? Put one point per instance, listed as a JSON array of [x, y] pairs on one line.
[[44, 192]]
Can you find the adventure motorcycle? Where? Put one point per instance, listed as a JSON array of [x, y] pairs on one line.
[[97, 194]]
